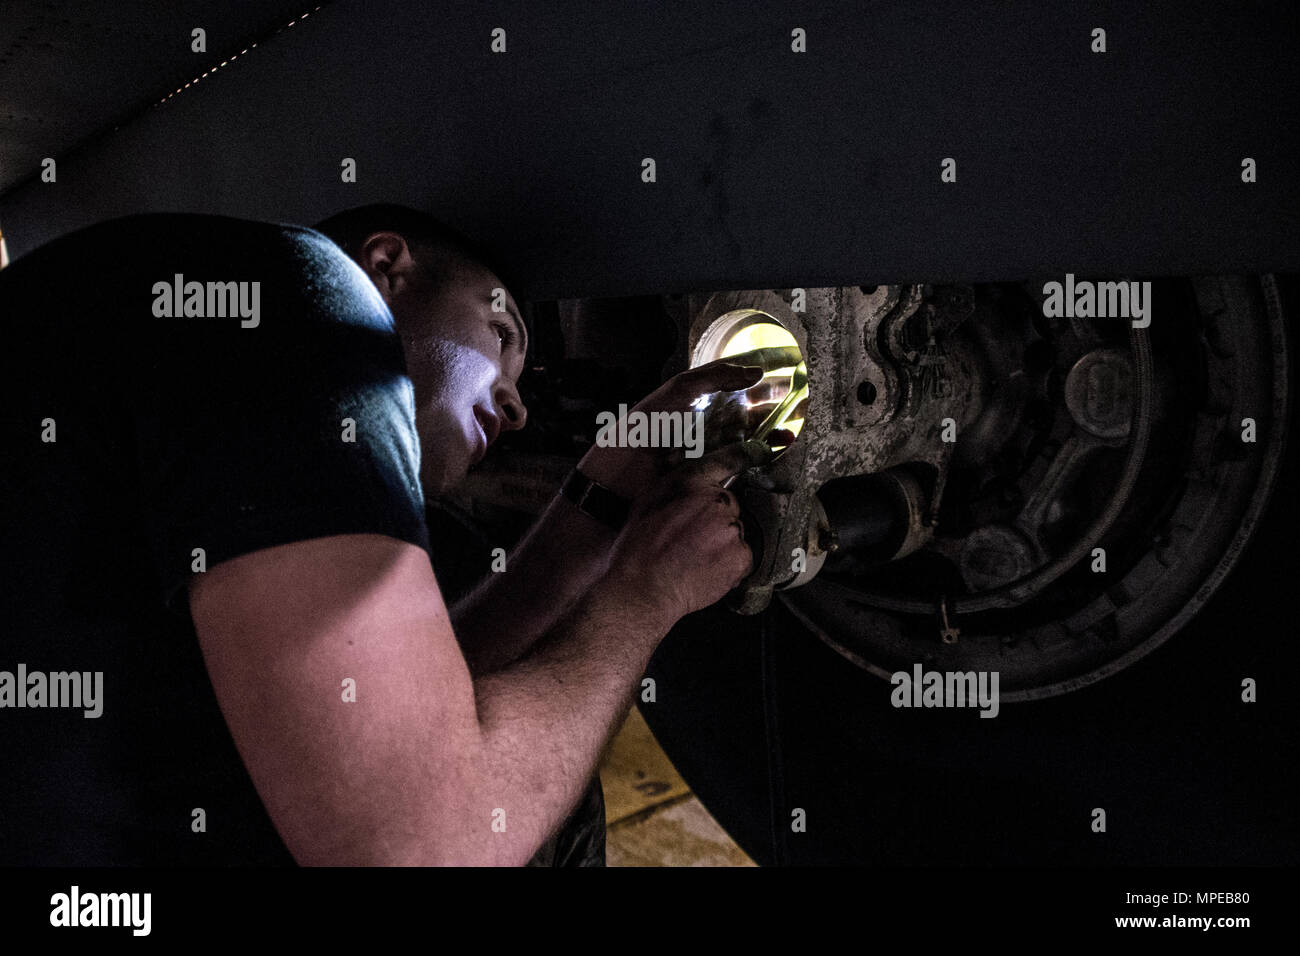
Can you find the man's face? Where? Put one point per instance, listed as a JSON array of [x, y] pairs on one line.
[[464, 360]]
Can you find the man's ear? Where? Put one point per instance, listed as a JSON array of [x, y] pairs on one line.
[[386, 259]]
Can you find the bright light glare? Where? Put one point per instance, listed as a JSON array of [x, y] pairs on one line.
[[762, 335]]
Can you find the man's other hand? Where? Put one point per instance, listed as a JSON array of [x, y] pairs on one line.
[[683, 547], [630, 472]]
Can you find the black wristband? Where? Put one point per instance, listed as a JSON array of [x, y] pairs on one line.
[[595, 499]]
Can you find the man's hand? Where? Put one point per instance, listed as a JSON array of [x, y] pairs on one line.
[[567, 551], [631, 471], [683, 547]]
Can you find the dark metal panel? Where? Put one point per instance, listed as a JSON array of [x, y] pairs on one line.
[[70, 70], [774, 168]]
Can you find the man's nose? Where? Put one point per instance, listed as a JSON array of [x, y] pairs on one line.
[[513, 412]]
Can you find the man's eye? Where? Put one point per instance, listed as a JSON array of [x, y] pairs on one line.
[[506, 335]]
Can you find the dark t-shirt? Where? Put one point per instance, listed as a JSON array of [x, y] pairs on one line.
[[171, 433]]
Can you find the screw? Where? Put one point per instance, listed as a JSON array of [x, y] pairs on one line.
[[947, 633]]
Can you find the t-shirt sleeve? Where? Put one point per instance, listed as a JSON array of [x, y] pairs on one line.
[[288, 416]]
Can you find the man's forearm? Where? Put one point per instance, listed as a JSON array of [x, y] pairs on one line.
[[561, 558], [545, 719]]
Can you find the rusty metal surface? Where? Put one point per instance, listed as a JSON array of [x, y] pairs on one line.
[[887, 368], [1220, 361]]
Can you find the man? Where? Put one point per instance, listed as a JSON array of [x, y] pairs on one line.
[[222, 435]]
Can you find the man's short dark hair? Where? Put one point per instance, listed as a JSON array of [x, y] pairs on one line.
[[434, 243]]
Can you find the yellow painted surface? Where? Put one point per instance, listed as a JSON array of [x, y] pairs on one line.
[[680, 833], [652, 818], [636, 774]]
